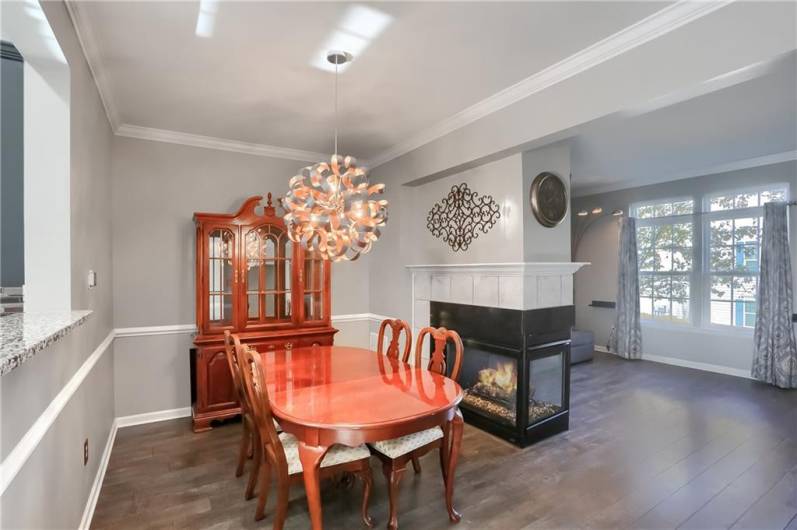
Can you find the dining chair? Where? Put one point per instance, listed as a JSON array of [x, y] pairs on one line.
[[249, 437], [249, 431], [396, 327], [395, 453], [280, 451]]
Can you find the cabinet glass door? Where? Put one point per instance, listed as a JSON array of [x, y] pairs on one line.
[[268, 275], [313, 287], [221, 243]]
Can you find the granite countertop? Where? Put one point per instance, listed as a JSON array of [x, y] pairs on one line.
[[22, 335]]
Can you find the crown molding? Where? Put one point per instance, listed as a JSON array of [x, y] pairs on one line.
[[660, 23], [223, 144], [88, 43], [746, 163]]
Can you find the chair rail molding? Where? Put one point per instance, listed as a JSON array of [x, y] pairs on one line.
[[25, 447]]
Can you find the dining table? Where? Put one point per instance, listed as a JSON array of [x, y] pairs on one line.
[[326, 395]]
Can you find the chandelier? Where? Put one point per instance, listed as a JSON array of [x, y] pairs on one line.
[[330, 206]]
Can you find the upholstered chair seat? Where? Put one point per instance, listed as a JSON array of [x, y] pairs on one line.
[[337, 454], [403, 445]]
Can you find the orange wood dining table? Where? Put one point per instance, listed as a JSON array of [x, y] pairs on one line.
[[327, 395]]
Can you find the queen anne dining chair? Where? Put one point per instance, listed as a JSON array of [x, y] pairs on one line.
[[249, 437], [397, 452], [396, 327], [280, 451], [249, 431]]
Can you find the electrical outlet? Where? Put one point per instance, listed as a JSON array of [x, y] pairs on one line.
[[92, 279], [86, 452]]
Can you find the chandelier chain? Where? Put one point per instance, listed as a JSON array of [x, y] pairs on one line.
[[336, 107]]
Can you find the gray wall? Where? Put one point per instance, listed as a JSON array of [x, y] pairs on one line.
[[157, 187], [599, 280], [52, 488], [12, 239], [516, 237], [502, 180]]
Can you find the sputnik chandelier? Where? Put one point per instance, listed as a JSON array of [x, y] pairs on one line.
[[329, 207]]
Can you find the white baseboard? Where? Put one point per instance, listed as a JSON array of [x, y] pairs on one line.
[[99, 478], [674, 361], [152, 417], [706, 367]]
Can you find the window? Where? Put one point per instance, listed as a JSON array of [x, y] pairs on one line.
[[733, 225], [706, 277], [665, 253]]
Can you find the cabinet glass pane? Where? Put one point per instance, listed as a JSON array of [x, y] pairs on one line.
[[286, 306], [312, 274], [313, 306], [270, 303], [220, 276], [270, 274], [253, 277], [253, 307], [268, 258]]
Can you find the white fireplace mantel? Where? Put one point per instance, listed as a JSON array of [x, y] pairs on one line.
[[506, 285], [507, 269]]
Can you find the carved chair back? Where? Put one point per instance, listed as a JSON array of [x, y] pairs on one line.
[[230, 343], [254, 378], [396, 327], [437, 358]]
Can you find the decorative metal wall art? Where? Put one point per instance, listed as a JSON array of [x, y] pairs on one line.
[[548, 198], [460, 216]]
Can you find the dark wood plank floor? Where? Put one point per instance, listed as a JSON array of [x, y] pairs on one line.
[[650, 446]]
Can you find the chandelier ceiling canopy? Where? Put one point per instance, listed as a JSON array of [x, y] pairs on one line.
[[331, 209]]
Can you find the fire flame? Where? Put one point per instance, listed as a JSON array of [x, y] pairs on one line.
[[503, 376]]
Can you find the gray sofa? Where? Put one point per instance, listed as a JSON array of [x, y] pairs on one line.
[[582, 346]]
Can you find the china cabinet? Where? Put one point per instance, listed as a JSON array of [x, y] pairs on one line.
[[253, 280]]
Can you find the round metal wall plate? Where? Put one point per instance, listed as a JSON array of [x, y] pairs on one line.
[[548, 198]]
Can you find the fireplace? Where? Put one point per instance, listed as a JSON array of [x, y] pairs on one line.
[[515, 369]]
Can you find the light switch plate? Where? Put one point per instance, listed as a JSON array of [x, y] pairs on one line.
[[92, 279]]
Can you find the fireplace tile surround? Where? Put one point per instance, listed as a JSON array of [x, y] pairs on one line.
[[521, 286]]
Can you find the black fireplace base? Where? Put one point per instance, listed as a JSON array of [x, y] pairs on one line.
[[515, 368], [541, 430]]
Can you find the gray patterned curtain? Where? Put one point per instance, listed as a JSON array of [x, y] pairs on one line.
[[775, 350], [626, 337]]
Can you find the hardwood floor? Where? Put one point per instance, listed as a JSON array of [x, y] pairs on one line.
[[650, 446]]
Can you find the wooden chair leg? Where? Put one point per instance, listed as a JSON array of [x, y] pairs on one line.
[[368, 482], [416, 464], [445, 445], [256, 463], [456, 442], [281, 512], [242, 451], [393, 474], [265, 482]]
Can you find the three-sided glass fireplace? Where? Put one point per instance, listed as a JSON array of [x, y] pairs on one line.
[[518, 391]]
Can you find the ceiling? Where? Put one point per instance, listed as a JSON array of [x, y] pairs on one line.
[[744, 122], [246, 72]]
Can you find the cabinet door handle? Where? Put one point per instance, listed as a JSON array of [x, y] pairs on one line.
[[288, 345]]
